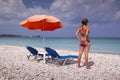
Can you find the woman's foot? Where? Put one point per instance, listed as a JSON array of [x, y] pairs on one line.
[[79, 66], [88, 67]]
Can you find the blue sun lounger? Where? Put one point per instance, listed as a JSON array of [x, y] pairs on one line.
[[34, 52], [56, 56]]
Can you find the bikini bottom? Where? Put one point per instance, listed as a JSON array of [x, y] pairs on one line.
[[83, 43]]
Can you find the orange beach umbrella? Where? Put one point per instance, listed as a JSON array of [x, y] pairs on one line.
[[43, 23]]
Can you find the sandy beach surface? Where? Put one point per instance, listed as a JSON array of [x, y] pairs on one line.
[[14, 65]]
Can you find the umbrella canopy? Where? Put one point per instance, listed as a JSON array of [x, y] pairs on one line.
[[43, 23]]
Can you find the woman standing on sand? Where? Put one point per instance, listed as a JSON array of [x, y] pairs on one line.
[[84, 41]]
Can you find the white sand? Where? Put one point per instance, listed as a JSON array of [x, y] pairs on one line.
[[14, 65]]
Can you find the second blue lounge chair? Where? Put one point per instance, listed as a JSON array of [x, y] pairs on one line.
[[55, 55]]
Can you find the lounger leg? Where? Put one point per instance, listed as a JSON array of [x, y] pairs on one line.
[[35, 56], [56, 60], [64, 61], [48, 59], [28, 56]]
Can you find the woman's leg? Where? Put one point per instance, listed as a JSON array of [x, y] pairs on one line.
[[80, 55], [87, 48]]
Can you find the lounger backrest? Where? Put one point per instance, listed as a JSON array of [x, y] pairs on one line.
[[32, 50], [52, 52]]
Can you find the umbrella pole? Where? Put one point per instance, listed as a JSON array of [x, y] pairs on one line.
[[43, 24], [44, 46], [43, 39]]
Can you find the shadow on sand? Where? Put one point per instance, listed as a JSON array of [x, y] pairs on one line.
[[60, 62], [91, 63]]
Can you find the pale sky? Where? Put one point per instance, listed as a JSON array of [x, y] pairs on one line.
[[103, 15]]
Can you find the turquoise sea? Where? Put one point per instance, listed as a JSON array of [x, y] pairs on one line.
[[99, 45]]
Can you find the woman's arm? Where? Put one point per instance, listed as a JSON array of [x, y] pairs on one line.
[[87, 34], [77, 33], [87, 31]]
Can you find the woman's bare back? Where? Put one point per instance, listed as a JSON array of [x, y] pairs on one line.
[[84, 31]]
